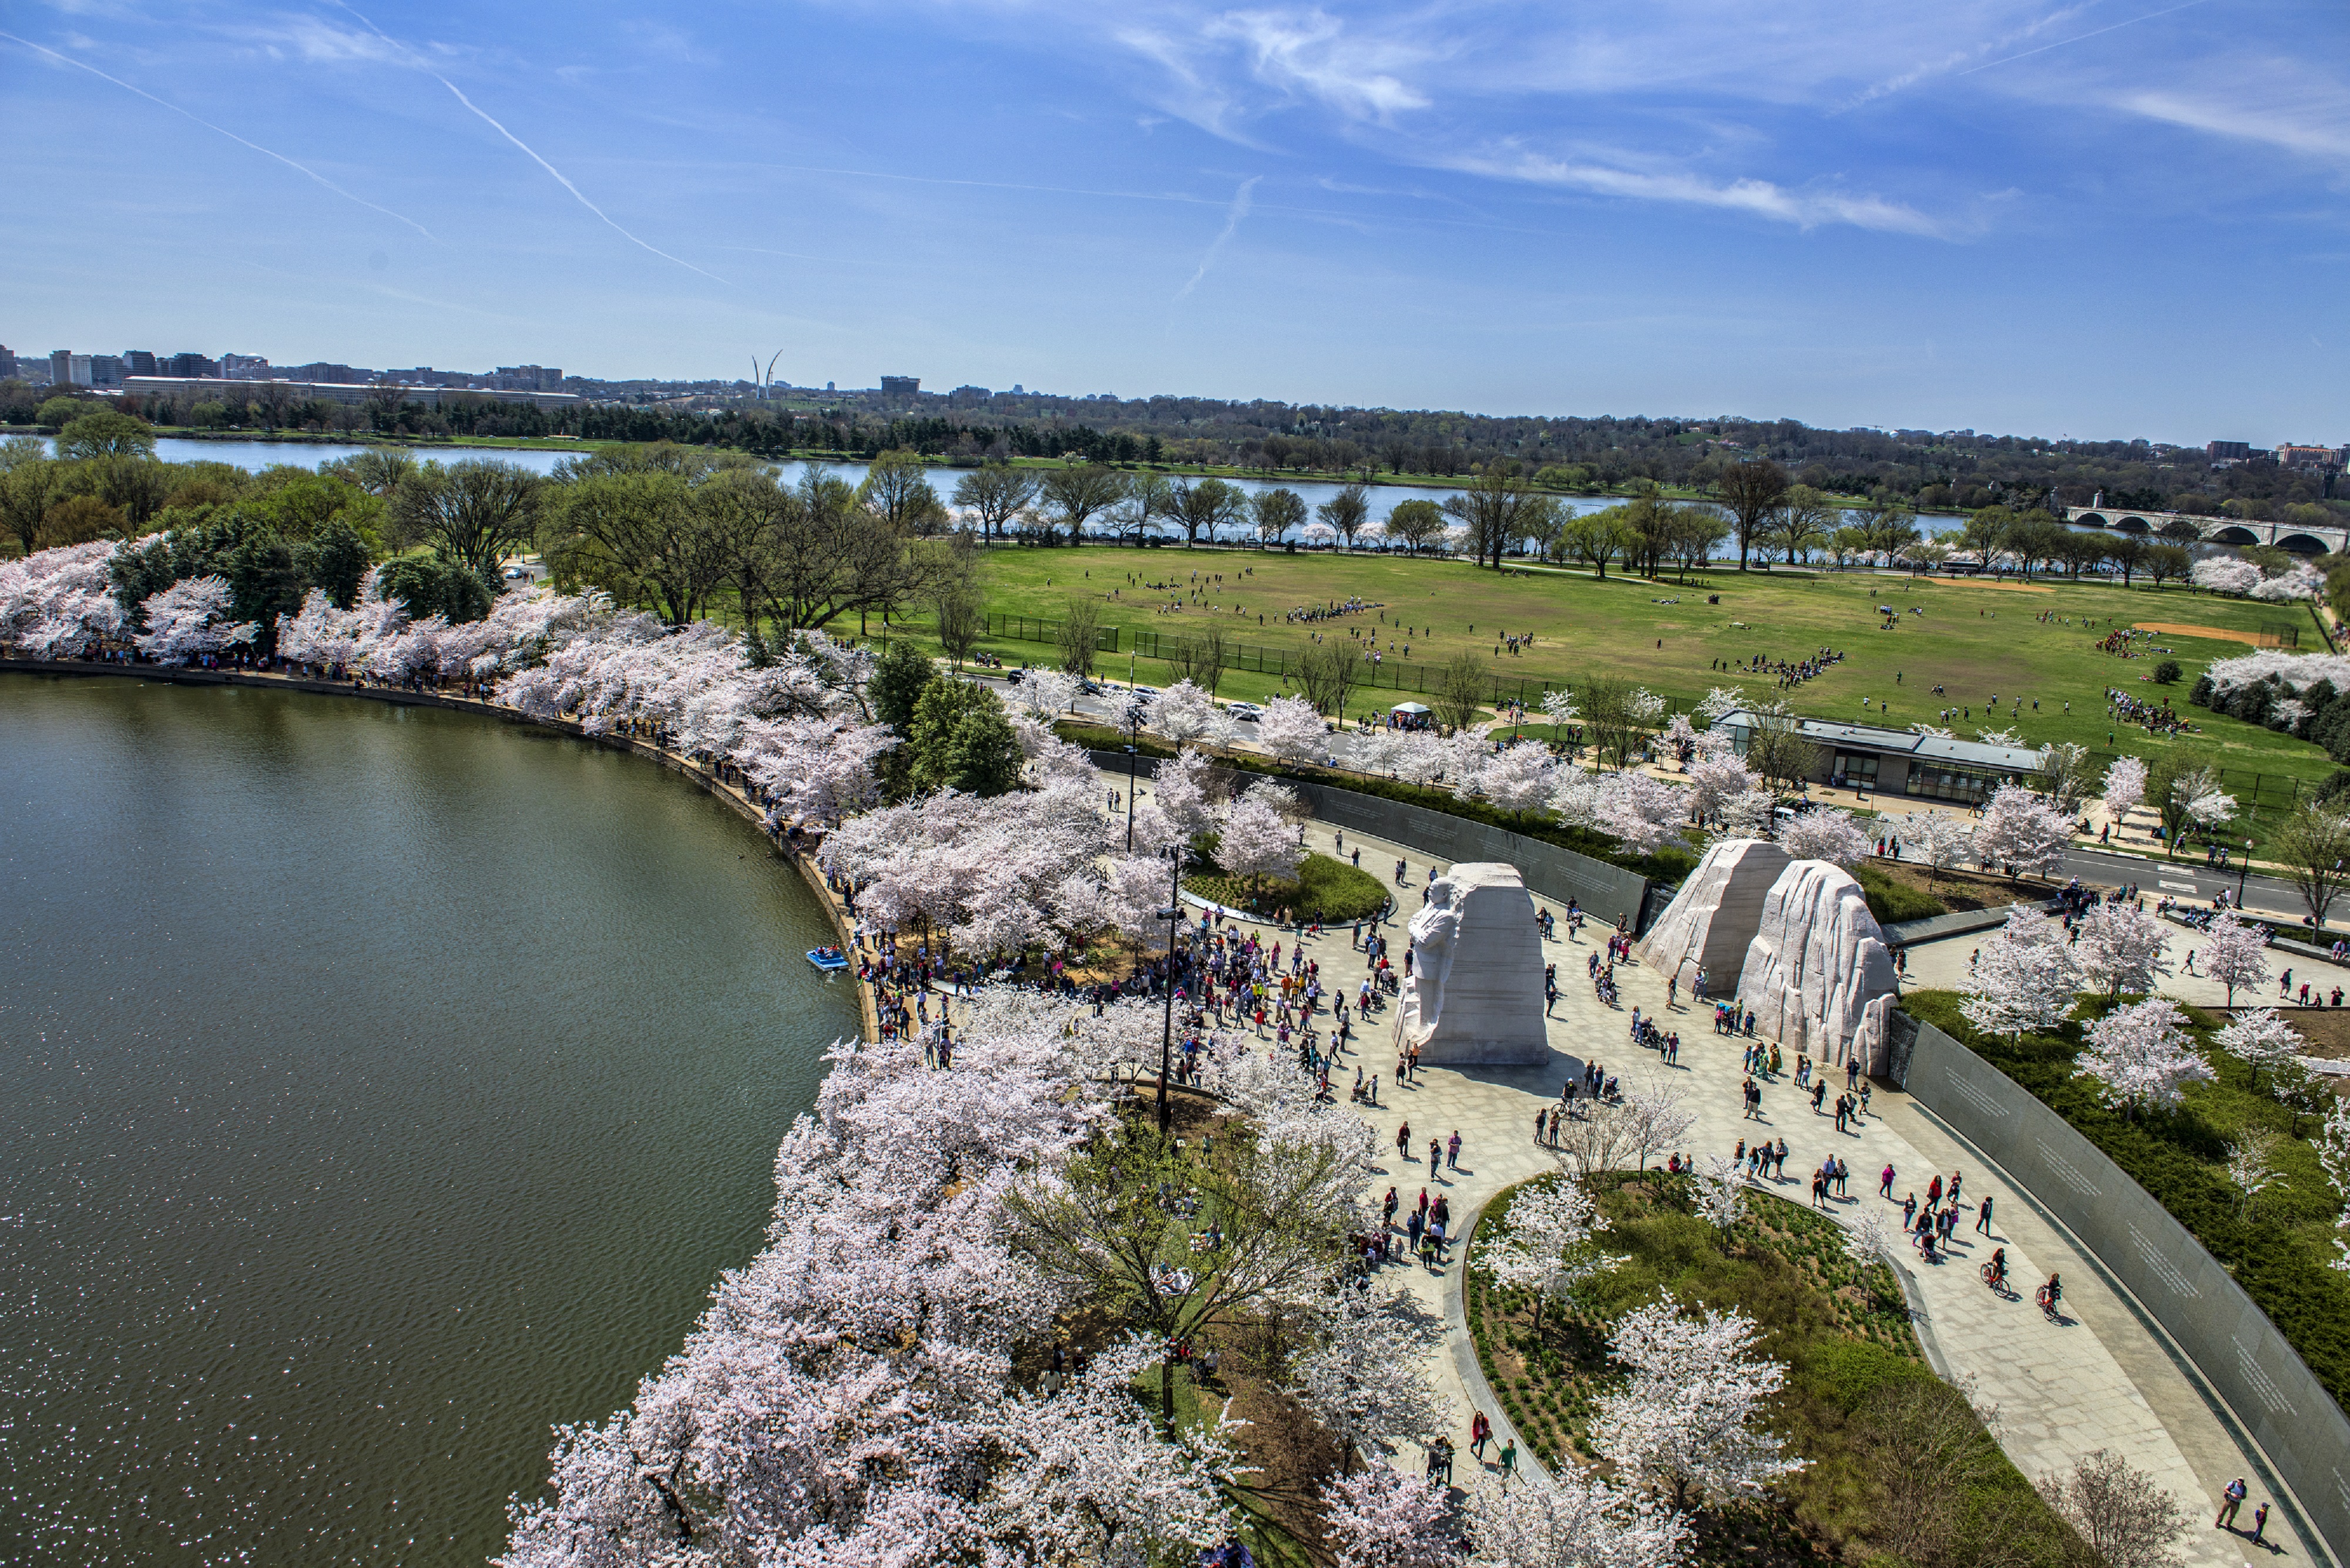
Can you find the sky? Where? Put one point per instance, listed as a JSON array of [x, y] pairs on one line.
[[2110, 218]]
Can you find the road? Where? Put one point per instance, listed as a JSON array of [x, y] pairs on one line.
[[2186, 879]]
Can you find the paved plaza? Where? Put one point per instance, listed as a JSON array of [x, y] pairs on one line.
[[2095, 1379]]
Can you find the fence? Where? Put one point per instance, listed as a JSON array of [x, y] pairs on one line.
[[2230, 1343]]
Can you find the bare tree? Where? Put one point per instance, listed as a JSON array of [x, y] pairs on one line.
[[1500, 507], [2122, 1519], [2313, 845], [1079, 635], [995, 493], [1204, 505], [470, 512], [1329, 673], [1751, 491], [1076, 493], [1199, 658]]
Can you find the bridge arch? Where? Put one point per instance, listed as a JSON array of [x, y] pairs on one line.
[[2132, 525], [2090, 519], [2235, 533], [2303, 544]]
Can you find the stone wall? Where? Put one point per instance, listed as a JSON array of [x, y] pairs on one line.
[[1818, 976], [2265, 1388]]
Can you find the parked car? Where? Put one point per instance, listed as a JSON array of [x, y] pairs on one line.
[[1246, 712]]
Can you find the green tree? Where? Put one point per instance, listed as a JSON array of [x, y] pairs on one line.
[[1799, 522], [61, 411], [428, 585], [2171, 561], [470, 512], [1419, 522], [1347, 512], [637, 536], [1148, 496], [962, 739], [900, 677], [334, 559], [1596, 539], [30, 483], [1205, 505], [1276, 511], [105, 433], [897, 489]]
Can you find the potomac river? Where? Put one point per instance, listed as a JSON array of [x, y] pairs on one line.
[[384, 1086]]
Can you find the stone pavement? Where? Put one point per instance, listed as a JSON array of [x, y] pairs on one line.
[[2095, 1379]]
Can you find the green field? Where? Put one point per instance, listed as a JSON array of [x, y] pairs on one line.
[[1977, 639]]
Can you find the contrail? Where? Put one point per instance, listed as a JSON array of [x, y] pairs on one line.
[[424, 67], [2059, 43], [232, 136], [1233, 216]]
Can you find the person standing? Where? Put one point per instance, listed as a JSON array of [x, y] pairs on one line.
[[2260, 1525], [2233, 1498], [1452, 1152]]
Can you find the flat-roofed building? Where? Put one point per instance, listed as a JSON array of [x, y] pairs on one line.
[[1873, 758], [353, 393]]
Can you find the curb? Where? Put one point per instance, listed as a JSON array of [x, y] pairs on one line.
[[1464, 1349]]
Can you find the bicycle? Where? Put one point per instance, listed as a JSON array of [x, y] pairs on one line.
[[2047, 1298], [1994, 1276]]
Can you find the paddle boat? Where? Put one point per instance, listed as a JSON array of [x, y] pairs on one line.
[[832, 960]]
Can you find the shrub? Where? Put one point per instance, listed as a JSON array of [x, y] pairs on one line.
[[1891, 901], [2167, 672]]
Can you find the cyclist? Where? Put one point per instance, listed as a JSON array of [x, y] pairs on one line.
[[2050, 1294], [1995, 1271]]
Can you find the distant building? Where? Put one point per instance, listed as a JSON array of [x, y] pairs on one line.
[[2307, 456], [1870, 758], [321, 370], [105, 370], [61, 367], [189, 366], [900, 386], [527, 379], [1018, 391], [244, 367], [7, 363], [2235, 451], [353, 393], [138, 362]]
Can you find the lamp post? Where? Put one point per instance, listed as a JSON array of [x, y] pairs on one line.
[[2243, 872], [1172, 914], [1130, 756]]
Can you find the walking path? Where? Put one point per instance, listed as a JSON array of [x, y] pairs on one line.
[[2096, 1379]]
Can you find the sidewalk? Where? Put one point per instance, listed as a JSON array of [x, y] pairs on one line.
[[2095, 1380]]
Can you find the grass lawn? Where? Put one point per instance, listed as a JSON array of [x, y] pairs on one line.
[[2282, 1253], [1901, 1466], [1977, 639], [1325, 890]]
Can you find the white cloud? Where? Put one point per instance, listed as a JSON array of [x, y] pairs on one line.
[[1233, 216], [1310, 52], [1809, 207], [2315, 124]]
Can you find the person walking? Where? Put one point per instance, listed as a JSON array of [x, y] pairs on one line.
[[1982, 1217], [1884, 1183], [2260, 1525], [1509, 1462], [2232, 1499], [1481, 1432], [1403, 1141]]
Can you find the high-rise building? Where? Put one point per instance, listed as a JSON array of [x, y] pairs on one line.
[[325, 371], [900, 386], [527, 379], [61, 368], [105, 370], [2219, 450], [2305, 456], [244, 367], [193, 366], [7, 363], [138, 362]]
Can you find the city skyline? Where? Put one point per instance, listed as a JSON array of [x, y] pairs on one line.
[[2096, 222]]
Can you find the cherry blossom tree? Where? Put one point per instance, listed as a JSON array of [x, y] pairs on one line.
[[2120, 947], [1364, 1377], [1291, 729], [2252, 1167], [1716, 780], [1421, 757], [1748, 816], [2140, 1057], [1578, 1521], [2022, 830], [1517, 778], [1047, 693], [1679, 738], [1377, 1518], [189, 620], [1688, 1418], [1866, 1239], [2124, 789], [1721, 1194], [1185, 712], [2260, 1039], [2235, 954], [1720, 702], [2024, 977], [1826, 835], [1546, 1247], [1938, 839], [1655, 1114], [1256, 842], [60, 603], [1560, 708], [2333, 1154]]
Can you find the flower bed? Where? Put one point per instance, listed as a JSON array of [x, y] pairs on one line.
[[1860, 1402]]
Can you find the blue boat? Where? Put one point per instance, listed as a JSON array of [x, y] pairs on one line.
[[829, 960]]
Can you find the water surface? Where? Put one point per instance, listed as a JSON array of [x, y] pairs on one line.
[[383, 1086]]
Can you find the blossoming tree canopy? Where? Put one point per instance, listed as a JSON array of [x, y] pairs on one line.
[[2025, 977], [2140, 1057]]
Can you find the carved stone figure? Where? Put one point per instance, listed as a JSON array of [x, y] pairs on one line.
[[1715, 914], [1475, 991], [1818, 976]]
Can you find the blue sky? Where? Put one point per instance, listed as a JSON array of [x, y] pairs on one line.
[[2094, 219]]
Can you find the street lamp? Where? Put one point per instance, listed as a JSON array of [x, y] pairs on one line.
[[1172, 914], [2243, 872], [1131, 755]]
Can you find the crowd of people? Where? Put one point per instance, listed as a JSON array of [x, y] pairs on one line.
[[2157, 718], [1786, 673]]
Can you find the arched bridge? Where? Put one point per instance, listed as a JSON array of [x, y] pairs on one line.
[[2188, 529]]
